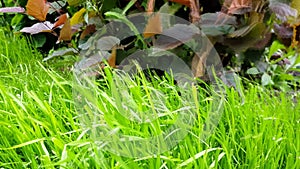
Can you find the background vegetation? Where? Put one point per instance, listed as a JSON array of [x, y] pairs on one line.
[[258, 39]]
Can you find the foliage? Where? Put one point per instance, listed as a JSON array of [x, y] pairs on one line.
[[40, 127], [235, 27], [279, 68]]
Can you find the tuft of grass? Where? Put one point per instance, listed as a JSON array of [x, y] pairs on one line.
[[40, 125]]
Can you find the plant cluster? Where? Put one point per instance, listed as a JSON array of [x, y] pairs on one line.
[[257, 38]]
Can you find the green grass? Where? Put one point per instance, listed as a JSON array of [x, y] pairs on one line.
[[40, 127]]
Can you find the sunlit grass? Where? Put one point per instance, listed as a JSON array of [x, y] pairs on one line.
[[40, 127]]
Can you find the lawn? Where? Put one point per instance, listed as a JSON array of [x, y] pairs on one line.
[[40, 124]]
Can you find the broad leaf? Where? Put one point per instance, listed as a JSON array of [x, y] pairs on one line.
[[217, 18], [75, 2], [66, 32], [296, 5], [107, 43], [61, 20], [266, 80], [176, 35], [153, 26], [89, 29], [243, 31], [61, 52], [38, 28], [78, 17], [215, 24], [283, 11], [37, 9], [255, 19], [283, 31], [12, 10], [275, 47], [252, 71], [94, 60], [247, 41]]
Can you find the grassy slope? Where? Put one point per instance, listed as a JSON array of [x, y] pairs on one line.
[[39, 126]]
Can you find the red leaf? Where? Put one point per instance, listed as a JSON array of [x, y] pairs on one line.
[[38, 28], [12, 9], [88, 31], [37, 9], [153, 26], [66, 32], [182, 2], [61, 20]]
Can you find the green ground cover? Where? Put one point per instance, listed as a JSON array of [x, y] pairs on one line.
[[39, 124]]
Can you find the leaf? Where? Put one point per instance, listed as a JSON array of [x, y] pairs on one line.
[[107, 43], [283, 31], [249, 40], [255, 19], [153, 26], [217, 18], [38, 28], [89, 29], [252, 71], [196, 156], [283, 11], [198, 66], [23, 144], [243, 31], [39, 40], [112, 59], [210, 30], [37, 9], [199, 60], [12, 9], [61, 52], [215, 24], [74, 2], [61, 20], [78, 17], [296, 5], [175, 36], [240, 7], [66, 32], [94, 60], [275, 47], [266, 80]]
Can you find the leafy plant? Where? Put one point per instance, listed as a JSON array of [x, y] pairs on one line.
[[235, 27], [280, 68]]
